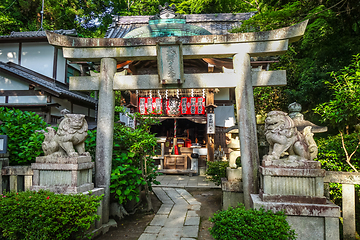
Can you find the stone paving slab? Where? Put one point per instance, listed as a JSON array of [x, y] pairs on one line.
[[177, 218], [148, 236], [176, 181], [192, 221]]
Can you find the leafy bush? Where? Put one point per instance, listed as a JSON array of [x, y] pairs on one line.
[[132, 165], [46, 215], [217, 170], [24, 144], [239, 223]]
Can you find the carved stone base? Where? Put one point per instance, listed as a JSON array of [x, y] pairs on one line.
[[310, 221], [292, 181], [64, 175]]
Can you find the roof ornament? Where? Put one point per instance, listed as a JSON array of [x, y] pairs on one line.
[[167, 12]]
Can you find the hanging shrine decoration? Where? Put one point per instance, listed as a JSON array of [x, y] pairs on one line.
[[174, 106], [192, 105], [149, 105]]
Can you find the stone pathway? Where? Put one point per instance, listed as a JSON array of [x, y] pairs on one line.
[[181, 181], [176, 219]]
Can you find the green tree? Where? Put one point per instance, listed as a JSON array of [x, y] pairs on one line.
[[331, 38], [343, 110], [23, 15]]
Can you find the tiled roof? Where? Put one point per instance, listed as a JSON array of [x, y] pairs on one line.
[[43, 82], [215, 23], [38, 34]]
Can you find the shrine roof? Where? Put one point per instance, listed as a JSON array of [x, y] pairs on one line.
[[34, 35], [43, 82], [217, 24]]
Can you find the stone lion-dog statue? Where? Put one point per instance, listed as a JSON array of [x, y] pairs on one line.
[[69, 137], [283, 136]]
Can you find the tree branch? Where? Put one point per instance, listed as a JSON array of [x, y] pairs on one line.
[[346, 152]]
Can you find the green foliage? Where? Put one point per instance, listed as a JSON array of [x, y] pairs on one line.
[[23, 15], [150, 7], [46, 215], [217, 170], [90, 143], [24, 144], [239, 223], [132, 148], [332, 158], [126, 177], [344, 108], [331, 38]]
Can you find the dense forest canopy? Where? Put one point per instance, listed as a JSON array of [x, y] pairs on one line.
[[330, 41]]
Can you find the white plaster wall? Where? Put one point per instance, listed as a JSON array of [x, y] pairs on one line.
[[80, 110], [27, 99], [9, 52], [61, 63], [10, 83], [2, 99], [223, 94], [38, 57]]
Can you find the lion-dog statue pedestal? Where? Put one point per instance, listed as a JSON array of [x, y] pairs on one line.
[[66, 167], [292, 182]]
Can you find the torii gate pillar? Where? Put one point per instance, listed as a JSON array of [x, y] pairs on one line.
[[247, 126], [105, 131]]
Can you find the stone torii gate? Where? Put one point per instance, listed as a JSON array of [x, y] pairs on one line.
[[169, 52]]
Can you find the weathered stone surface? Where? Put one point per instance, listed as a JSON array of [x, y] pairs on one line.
[[105, 131], [293, 33], [292, 198], [231, 186], [190, 231], [69, 137], [342, 177], [291, 164], [234, 174], [298, 209], [64, 177], [17, 170], [152, 229], [198, 80], [247, 126], [270, 171], [348, 211], [63, 160], [192, 221], [170, 233], [232, 199], [314, 227], [159, 220], [65, 167], [148, 236], [283, 137]]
